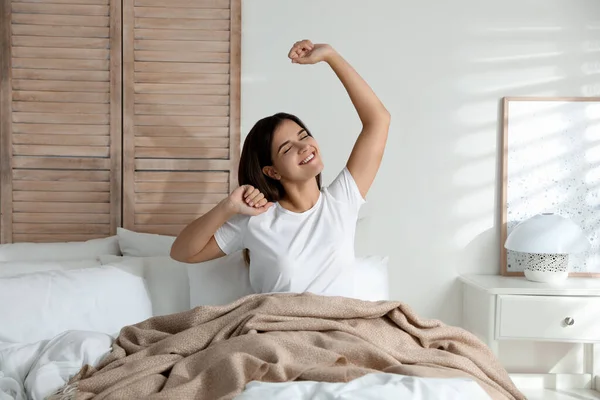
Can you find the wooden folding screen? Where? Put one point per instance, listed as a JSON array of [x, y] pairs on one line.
[[181, 109], [116, 113], [61, 119]]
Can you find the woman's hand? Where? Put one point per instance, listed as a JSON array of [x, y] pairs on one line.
[[305, 52], [248, 200]]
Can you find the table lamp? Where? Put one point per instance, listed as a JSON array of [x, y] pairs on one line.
[[546, 241]]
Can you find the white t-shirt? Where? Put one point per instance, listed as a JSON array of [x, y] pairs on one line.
[[312, 251]]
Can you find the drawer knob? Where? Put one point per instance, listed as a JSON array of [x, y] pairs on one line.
[[569, 321]]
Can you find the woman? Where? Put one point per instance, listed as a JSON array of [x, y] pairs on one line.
[[299, 236]]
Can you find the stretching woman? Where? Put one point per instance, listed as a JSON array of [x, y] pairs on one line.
[[297, 236]]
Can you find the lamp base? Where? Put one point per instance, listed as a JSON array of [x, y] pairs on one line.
[[547, 268], [546, 277]]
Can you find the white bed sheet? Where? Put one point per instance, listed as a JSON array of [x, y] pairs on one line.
[[379, 386], [34, 371]]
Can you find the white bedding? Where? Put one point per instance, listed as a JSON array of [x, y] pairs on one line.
[[34, 371], [378, 386]]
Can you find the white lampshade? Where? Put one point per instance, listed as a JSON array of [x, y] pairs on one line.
[[547, 234]]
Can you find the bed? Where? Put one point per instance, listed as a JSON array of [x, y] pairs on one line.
[[144, 326]]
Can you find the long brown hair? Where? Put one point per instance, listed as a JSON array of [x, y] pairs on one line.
[[256, 154]]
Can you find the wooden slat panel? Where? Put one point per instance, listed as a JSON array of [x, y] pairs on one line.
[[178, 198], [116, 116], [46, 218], [54, 238], [61, 228], [60, 86], [164, 142], [172, 230], [63, 197], [51, 207], [207, 177], [182, 165], [60, 108], [181, 187], [60, 42], [177, 109], [187, 68], [60, 20], [59, 9], [174, 12], [178, 23], [184, 3], [181, 89], [60, 163], [100, 2], [40, 186], [182, 56], [180, 152], [196, 100], [179, 34], [62, 140], [66, 75], [129, 161], [181, 131], [6, 200], [36, 118], [66, 31], [196, 209], [212, 79], [181, 120], [57, 52], [73, 151], [165, 219], [65, 59], [70, 176], [64, 64], [182, 45], [176, 112], [67, 97], [235, 76], [58, 129]]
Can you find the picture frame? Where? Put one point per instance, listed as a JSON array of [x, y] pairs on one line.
[[549, 163]]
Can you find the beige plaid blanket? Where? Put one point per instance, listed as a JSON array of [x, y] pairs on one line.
[[213, 352]]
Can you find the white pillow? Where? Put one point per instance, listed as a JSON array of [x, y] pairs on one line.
[[371, 281], [219, 281], [167, 281], [59, 251], [12, 268], [137, 244], [104, 299]]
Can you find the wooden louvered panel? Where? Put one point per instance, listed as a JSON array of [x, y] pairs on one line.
[[61, 119], [181, 110]]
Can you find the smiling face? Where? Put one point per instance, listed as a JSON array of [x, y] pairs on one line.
[[295, 154]]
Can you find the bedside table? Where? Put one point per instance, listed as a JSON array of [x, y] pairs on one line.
[[512, 308]]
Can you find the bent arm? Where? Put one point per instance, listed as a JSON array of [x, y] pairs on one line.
[[368, 150], [196, 242]]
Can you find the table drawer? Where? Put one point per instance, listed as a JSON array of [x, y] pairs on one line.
[[560, 318]]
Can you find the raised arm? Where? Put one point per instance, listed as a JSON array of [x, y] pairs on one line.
[[368, 150], [196, 243]]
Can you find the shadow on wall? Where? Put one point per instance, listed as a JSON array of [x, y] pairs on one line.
[[517, 73]]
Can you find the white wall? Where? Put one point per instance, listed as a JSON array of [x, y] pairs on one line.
[[441, 68]]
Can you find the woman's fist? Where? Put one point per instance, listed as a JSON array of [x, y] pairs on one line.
[[305, 52], [248, 200]]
